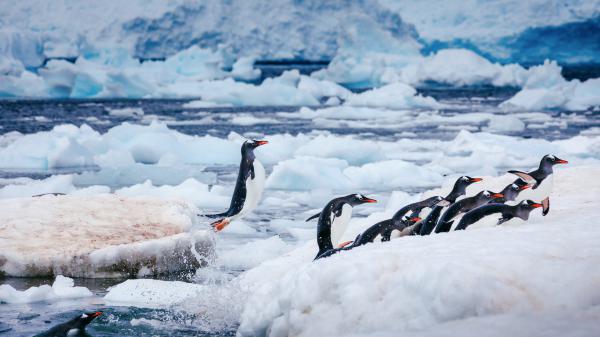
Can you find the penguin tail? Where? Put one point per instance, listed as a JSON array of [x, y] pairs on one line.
[[214, 216], [314, 217]]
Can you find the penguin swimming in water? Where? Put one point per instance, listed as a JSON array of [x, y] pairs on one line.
[[463, 206], [334, 219], [507, 212], [248, 187], [74, 327], [459, 189], [541, 180]]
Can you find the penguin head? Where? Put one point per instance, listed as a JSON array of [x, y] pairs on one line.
[[464, 181], [409, 221], [87, 317], [550, 160], [525, 207], [512, 191], [489, 195], [252, 144], [358, 199], [530, 204]]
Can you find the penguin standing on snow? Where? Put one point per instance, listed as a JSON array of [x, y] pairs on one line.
[[334, 219], [459, 189], [248, 187], [507, 213], [74, 327], [541, 180], [463, 206]]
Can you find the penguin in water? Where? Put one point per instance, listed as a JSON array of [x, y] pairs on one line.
[[248, 187], [334, 219], [463, 206], [511, 191], [541, 180], [74, 327], [398, 224], [459, 189], [507, 212]]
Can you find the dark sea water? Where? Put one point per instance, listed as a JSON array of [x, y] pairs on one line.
[[29, 116]]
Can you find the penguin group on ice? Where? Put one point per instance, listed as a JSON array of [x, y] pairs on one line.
[[444, 211], [335, 216]]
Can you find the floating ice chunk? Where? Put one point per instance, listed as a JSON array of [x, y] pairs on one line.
[[204, 104], [243, 69], [305, 173], [62, 288], [126, 112], [393, 96], [147, 293], [99, 236], [504, 123]]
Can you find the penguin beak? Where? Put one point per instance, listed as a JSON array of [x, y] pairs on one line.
[[497, 195], [524, 187], [261, 142], [414, 219], [536, 205], [369, 200], [220, 224], [96, 314], [474, 180], [561, 161]]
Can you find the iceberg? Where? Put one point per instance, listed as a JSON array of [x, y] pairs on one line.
[[102, 235]]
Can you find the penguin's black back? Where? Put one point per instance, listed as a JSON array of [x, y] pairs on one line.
[[480, 212]]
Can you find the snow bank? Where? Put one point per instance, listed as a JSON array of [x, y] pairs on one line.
[[392, 96], [99, 236], [441, 282], [543, 91], [62, 288]]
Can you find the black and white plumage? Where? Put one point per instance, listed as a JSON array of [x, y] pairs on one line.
[[463, 206], [334, 219], [248, 186], [507, 212], [541, 180], [459, 189], [73, 327]]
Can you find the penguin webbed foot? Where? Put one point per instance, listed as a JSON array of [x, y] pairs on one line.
[[220, 224], [546, 206]]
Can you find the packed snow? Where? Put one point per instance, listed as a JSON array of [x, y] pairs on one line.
[[101, 235], [62, 288]]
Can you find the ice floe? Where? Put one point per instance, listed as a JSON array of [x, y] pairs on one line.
[[100, 236], [62, 288]]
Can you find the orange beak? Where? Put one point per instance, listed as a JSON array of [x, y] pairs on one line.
[[344, 244], [474, 180], [562, 161], [497, 195], [414, 219], [536, 205], [96, 314], [220, 224], [262, 142], [524, 187], [370, 200]]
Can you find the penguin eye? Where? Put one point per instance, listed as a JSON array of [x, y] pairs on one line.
[[84, 316], [464, 178], [514, 186], [486, 193], [552, 157], [359, 196]]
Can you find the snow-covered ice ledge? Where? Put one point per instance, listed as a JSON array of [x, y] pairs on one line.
[[99, 236]]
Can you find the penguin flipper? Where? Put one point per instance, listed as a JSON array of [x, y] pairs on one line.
[[525, 176], [545, 206], [503, 219], [314, 217]]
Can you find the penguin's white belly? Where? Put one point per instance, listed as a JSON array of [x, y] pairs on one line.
[[254, 189], [339, 224], [541, 192]]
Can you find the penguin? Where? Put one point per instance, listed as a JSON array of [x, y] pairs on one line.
[[541, 180], [334, 219], [74, 327], [248, 187], [463, 206], [507, 212], [459, 189], [382, 230], [511, 191], [416, 208]]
